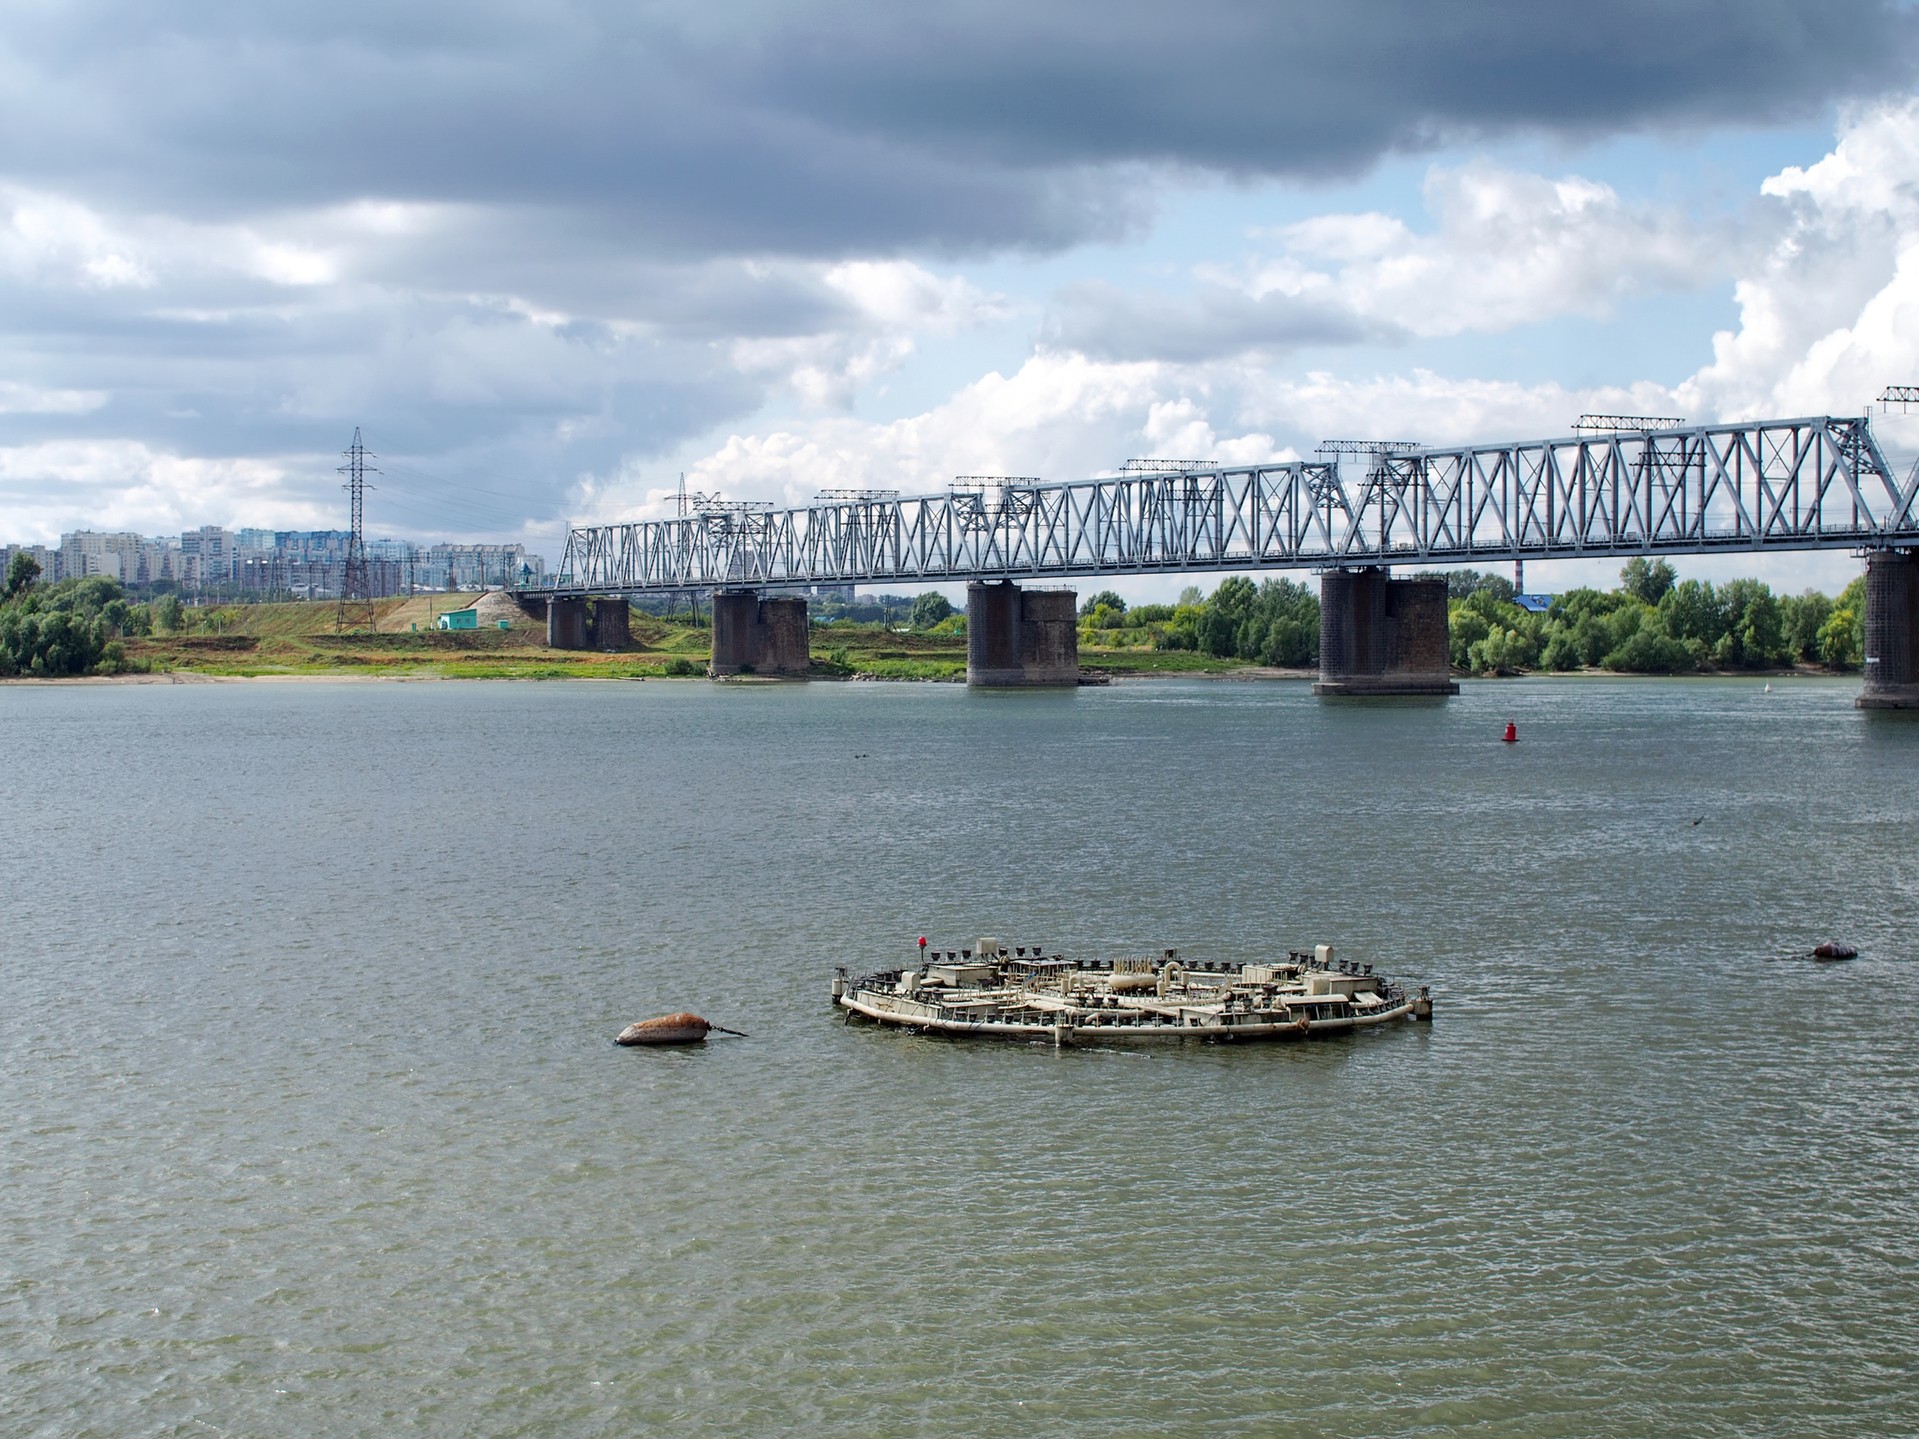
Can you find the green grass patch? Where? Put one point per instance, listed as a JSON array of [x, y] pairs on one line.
[[1157, 662], [299, 639], [910, 669], [869, 638]]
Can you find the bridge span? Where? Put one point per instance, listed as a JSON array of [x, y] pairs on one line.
[[1818, 482]]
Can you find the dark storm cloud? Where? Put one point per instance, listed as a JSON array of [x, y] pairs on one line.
[[594, 116], [1262, 88], [847, 125]]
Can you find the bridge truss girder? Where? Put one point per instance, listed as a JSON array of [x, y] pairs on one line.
[[1816, 483]]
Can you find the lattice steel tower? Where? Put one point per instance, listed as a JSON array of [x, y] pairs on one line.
[[356, 594]]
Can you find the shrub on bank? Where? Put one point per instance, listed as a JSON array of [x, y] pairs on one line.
[[49, 644], [1653, 624], [70, 628]]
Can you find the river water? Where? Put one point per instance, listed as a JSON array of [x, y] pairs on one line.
[[314, 1127]]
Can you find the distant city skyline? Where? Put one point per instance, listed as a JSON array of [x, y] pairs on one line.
[[260, 561]]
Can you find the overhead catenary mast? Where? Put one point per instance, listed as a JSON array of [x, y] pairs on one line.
[[356, 594]]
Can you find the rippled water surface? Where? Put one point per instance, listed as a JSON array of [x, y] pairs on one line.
[[313, 1125]]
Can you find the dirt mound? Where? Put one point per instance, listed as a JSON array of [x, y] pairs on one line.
[[496, 605]]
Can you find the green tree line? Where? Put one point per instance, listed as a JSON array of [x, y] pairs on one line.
[[1273, 622], [1653, 623], [74, 627]]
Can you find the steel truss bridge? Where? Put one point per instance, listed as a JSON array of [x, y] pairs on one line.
[[1816, 483]]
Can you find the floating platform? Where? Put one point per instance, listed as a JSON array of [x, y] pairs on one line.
[[990, 992]]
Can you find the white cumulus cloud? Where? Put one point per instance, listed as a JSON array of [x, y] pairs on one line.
[[19, 399], [1830, 314], [1506, 249], [129, 485], [890, 306]]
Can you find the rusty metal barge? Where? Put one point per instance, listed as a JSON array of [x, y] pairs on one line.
[[991, 992]]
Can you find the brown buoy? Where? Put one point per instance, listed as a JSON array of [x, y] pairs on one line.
[[682, 1028]]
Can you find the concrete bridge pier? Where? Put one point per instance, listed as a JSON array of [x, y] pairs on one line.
[[566, 624], [1020, 638], [1892, 621], [1382, 636], [612, 624], [759, 636]]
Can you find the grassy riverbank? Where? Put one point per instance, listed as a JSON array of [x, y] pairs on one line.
[[300, 639], [246, 641], [1653, 624]]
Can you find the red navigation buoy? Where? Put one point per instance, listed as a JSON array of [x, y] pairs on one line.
[[1512, 733]]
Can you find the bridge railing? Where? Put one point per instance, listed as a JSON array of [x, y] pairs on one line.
[[1814, 483]]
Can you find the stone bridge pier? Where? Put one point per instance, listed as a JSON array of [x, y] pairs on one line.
[[579, 624], [761, 636], [1892, 620], [612, 624], [1382, 636], [1020, 638], [566, 624]]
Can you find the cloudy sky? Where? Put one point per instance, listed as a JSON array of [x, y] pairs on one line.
[[550, 255]]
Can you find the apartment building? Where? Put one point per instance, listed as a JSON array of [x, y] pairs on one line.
[[207, 555], [307, 563], [48, 560]]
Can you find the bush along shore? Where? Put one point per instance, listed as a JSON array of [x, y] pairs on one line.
[[1653, 623], [76, 627]]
